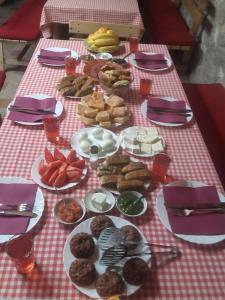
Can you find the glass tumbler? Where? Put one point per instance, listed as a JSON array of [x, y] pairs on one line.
[[133, 44], [51, 127]]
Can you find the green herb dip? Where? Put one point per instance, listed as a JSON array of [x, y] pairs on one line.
[[129, 204]]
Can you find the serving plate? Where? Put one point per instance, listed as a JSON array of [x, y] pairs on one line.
[[68, 257], [38, 208], [144, 108], [163, 216]]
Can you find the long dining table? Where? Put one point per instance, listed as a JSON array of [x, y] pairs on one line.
[[197, 274], [106, 11]]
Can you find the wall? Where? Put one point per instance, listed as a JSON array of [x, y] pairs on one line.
[[209, 60]]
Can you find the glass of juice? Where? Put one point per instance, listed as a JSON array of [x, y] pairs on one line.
[[160, 167], [51, 127], [133, 44], [20, 250], [70, 65], [145, 86]]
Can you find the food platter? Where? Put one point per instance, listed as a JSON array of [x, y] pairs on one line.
[[129, 142], [87, 135], [163, 216], [37, 178], [170, 99], [168, 60], [58, 108], [68, 258], [38, 208], [74, 54]]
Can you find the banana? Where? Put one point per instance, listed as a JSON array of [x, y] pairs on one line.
[[106, 42], [108, 48], [102, 36]]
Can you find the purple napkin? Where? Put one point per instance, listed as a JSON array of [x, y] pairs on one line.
[[52, 57], [31, 103], [150, 61], [166, 117], [16, 193], [187, 197]]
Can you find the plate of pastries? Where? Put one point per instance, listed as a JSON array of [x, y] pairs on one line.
[[96, 110], [119, 173], [75, 86]]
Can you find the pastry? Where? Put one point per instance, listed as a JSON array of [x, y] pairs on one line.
[[141, 174], [132, 166], [133, 185], [115, 101], [118, 159], [88, 121], [102, 116], [110, 181]]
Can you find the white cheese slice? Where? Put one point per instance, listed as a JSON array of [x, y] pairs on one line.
[[157, 147], [152, 131], [98, 200], [146, 148]]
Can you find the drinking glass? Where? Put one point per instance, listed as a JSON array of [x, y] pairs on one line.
[[160, 167], [51, 127], [20, 250], [145, 86], [133, 44], [70, 65]]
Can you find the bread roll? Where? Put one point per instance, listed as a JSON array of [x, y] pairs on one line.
[[110, 181], [138, 174], [132, 166], [117, 159], [133, 185]]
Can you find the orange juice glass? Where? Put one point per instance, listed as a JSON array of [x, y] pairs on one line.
[[20, 250]]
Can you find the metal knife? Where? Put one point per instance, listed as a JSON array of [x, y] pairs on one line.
[[18, 213]]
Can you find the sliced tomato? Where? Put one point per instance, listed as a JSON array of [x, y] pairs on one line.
[[53, 177], [48, 156], [61, 179], [42, 167], [58, 155], [63, 167], [80, 164], [73, 176], [71, 169], [72, 157], [54, 165]]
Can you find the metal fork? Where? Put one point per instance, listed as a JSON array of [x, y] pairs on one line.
[[187, 212], [19, 207]]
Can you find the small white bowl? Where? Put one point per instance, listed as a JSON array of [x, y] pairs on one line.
[[110, 201], [137, 195], [67, 201], [103, 56]]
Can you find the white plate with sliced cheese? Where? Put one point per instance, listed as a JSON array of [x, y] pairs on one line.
[[99, 201], [142, 141]]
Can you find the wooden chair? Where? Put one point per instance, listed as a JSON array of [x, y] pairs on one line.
[[81, 29]]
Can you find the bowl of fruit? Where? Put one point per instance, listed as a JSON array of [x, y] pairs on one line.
[[69, 211]]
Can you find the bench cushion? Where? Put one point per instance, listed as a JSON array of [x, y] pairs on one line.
[[2, 78], [24, 24], [208, 104], [166, 25]]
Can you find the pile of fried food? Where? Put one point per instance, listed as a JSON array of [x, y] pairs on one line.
[[114, 76], [103, 40], [75, 85], [94, 110], [119, 172]]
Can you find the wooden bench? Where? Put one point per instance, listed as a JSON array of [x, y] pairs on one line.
[[22, 27], [166, 24], [208, 104]]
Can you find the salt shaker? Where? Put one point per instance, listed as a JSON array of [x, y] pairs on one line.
[[94, 159]]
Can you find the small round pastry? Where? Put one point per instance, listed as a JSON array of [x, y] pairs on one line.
[[109, 284], [85, 146], [135, 271], [99, 223], [97, 133], [82, 245], [82, 136], [82, 272], [130, 234]]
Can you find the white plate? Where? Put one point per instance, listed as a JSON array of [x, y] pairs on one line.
[[96, 51], [94, 141], [133, 62], [58, 108], [170, 99], [68, 258], [38, 208], [163, 216], [58, 49], [110, 201], [139, 154], [37, 178]]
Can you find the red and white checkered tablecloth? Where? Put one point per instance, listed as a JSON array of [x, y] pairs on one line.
[[116, 11], [198, 274]]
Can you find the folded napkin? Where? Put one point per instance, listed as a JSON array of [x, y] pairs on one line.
[[150, 61], [16, 193], [165, 117], [34, 104], [52, 57], [195, 224]]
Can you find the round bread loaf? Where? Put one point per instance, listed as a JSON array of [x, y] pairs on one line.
[[82, 272], [82, 245], [109, 284]]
